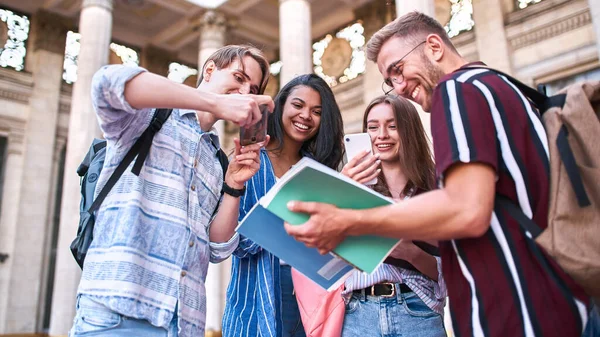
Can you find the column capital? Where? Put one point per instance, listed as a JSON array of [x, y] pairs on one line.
[[49, 31], [213, 20], [375, 15], [107, 4]]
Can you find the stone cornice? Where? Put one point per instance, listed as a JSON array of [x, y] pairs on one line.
[[563, 25], [350, 94], [464, 38], [15, 86], [522, 15]]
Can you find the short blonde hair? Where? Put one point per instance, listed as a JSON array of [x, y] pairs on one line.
[[413, 27], [224, 56]]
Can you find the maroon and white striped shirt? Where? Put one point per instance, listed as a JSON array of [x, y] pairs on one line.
[[501, 284]]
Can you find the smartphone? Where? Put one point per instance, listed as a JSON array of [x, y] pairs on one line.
[[356, 144], [255, 133]]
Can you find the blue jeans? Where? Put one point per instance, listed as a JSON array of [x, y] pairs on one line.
[[94, 319], [292, 323], [402, 315]]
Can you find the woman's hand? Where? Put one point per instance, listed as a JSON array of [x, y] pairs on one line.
[[361, 170], [244, 164]]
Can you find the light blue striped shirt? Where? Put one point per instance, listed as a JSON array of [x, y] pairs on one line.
[[253, 306], [151, 244]]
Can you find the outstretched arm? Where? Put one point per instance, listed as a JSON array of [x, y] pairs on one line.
[[461, 209], [149, 90]]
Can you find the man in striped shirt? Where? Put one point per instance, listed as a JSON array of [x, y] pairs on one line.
[[488, 140]]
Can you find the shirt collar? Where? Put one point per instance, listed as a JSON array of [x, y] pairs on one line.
[[213, 134]]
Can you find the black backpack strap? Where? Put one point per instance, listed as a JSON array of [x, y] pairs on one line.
[[160, 117], [541, 101], [509, 206], [141, 144], [568, 160]]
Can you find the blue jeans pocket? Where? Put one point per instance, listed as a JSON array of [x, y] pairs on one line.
[[94, 318], [416, 307]]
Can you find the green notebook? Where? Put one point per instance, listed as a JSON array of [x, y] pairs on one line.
[[309, 180]]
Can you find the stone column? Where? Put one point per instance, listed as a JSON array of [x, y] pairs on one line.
[[156, 60], [8, 225], [489, 26], [295, 40], [213, 27], [374, 16], [95, 26], [48, 36], [423, 6], [595, 11]]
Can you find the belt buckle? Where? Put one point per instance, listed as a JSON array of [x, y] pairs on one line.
[[393, 294]]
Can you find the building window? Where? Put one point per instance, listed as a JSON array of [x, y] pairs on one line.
[[557, 85], [125, 55], [3, 148], [461, 17], [341, 58], [14, 31], [180, 72], [524, 3]]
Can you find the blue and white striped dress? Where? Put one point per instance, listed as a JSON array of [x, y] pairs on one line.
[[253, 306]]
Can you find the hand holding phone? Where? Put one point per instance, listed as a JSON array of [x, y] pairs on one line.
[[255, 133], [362, 165]]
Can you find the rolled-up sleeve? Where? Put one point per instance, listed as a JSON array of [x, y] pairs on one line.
[[114, 113], [220, 251]]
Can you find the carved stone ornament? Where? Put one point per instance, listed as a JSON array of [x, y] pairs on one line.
[[3, 33], [212, 19], [336, 57]]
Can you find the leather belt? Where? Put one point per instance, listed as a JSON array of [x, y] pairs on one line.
[[383, 289]]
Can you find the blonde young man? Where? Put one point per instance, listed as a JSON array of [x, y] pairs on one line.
[[145, 270], [488, 141]]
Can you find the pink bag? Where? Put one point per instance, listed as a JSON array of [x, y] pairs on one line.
[[322, 312]]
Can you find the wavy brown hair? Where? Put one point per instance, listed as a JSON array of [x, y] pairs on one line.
[[414, 151]]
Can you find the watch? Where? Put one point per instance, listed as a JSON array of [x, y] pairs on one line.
[[233, 191]]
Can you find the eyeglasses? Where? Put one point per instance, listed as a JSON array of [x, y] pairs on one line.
[[388, 84]]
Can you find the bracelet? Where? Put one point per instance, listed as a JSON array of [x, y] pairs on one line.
[[233, 191]]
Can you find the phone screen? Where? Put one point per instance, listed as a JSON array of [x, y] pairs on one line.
[[255, 133]]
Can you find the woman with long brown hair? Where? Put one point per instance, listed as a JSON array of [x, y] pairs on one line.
[[405, 296]]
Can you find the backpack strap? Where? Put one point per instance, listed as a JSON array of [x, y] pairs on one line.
[[141, 146], [568, 160], [544, 103], [160, 117], [541, 101], [530, 227]]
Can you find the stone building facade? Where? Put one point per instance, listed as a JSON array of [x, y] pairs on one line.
[[46, 124]]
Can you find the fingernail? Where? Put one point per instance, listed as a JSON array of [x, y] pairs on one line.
[[367, 151], [378, 155], [378, 170], [378, 161], [291, 204]]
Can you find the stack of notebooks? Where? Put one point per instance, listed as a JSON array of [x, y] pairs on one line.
[[310, 181]]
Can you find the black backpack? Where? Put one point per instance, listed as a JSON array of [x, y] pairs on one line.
[[89, 171]]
